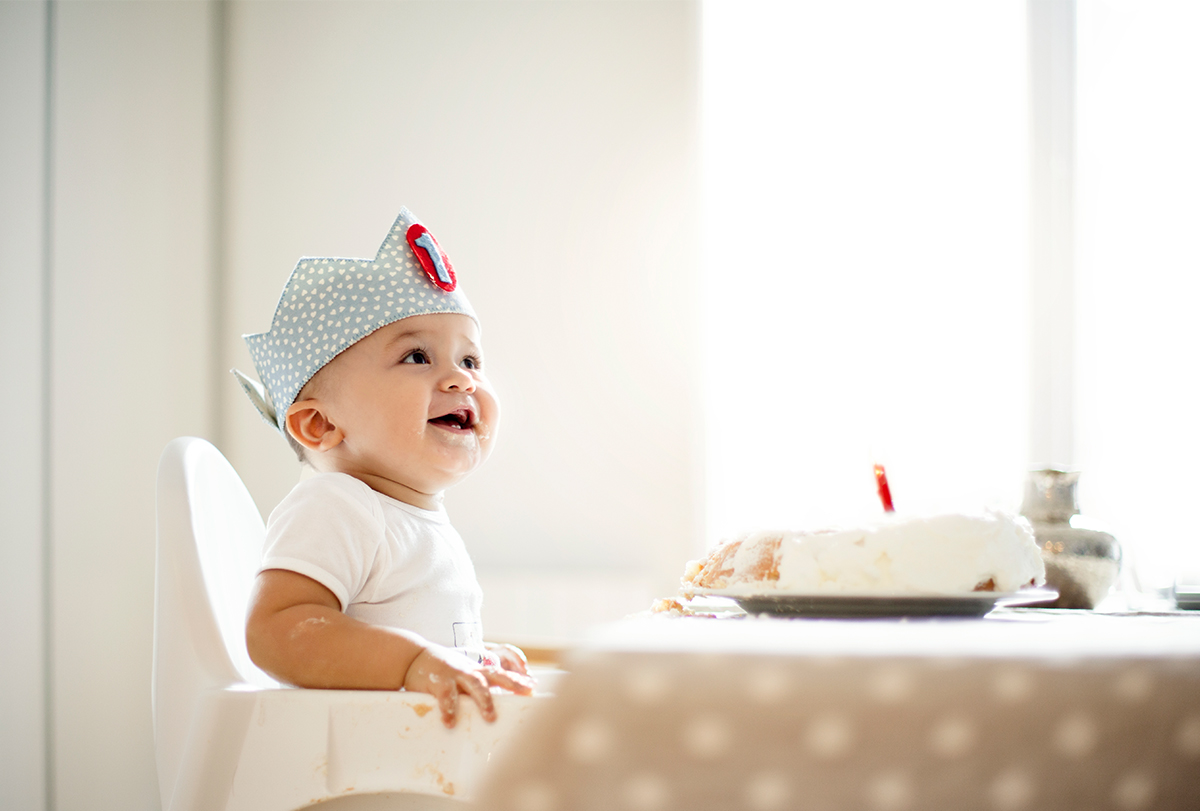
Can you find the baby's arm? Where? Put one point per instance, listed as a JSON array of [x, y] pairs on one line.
[[297, 632]]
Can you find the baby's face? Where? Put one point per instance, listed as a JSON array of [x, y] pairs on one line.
[[415, 408]]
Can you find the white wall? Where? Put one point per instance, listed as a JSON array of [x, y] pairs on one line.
[[130, 317], [22, 264], [550, 146]]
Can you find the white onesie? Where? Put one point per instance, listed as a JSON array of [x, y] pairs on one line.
[[387, 562]]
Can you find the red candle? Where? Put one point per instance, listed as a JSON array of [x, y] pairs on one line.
[[885, 492]]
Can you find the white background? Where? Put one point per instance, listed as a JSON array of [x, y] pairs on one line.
[[551, 147], [871, 159], [856, 290]]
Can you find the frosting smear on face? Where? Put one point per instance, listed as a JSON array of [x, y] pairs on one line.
[[941, 554]]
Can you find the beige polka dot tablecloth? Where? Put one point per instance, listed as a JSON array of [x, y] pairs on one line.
[[1034, 710]]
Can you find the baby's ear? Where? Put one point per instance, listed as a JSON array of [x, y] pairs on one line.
[[308, 424]]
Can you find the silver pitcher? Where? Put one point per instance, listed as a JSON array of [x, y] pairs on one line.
[[1082, 560]]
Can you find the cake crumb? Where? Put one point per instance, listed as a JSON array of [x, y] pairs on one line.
[[670, 607]]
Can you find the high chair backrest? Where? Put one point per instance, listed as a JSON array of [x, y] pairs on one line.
[[210, 538]]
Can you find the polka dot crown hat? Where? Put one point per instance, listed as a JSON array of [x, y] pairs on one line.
[[329, 304]]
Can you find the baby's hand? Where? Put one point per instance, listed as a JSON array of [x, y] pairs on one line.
[[511, 657], [445, 673]]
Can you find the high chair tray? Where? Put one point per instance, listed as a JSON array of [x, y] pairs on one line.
[[299, 747]]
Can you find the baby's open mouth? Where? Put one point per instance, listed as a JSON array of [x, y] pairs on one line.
[[461, 419]]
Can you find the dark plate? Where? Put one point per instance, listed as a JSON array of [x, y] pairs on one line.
[[974, 604], [1187, 598]]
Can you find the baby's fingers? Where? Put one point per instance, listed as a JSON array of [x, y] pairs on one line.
[[447, 699], [474, 685], [514, 682], [513, 658]]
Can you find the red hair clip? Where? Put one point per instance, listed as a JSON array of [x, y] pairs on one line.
[[435, 263]]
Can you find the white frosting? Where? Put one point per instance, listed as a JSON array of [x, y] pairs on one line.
[[943, 554]]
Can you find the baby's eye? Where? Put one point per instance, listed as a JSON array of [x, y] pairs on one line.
[[471, 362], [416, 356]]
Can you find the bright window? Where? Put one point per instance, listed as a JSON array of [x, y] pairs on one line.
[[868, 292], [1139, 276], [866, 181]]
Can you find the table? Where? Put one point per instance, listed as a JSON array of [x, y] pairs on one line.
[[1026, 709]]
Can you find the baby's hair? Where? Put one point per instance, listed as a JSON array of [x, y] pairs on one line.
[[297, 448]]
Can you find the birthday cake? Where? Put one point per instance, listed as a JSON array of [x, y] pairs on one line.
[[941, 554]]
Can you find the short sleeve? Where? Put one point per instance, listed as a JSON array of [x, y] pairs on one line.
[[330, 529]]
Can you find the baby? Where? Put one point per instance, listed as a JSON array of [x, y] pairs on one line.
[[372, 371]]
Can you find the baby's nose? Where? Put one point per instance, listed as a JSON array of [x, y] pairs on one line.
[[458, 379]]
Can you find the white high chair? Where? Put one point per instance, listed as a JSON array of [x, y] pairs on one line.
[[229, 737]]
